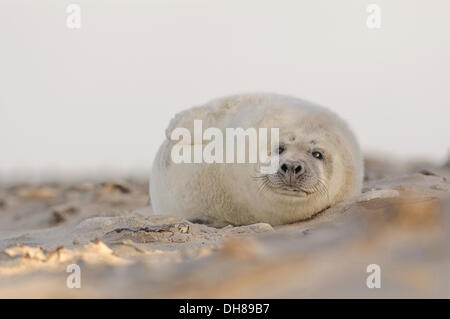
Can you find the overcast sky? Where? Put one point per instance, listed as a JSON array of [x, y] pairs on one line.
[[100, 97]]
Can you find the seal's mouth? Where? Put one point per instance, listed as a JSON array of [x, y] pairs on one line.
[[290, 191], [274, 184]]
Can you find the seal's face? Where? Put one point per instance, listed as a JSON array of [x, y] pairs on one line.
[[305, 165]]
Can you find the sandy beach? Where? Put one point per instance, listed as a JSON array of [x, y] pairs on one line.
[[400, 222]]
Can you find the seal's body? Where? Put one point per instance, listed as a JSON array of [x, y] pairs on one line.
[[320, 164]]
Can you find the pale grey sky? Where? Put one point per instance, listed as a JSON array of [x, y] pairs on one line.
[[101, 96]]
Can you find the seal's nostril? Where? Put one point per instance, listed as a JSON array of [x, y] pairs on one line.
[[298, 169], [284, 168]]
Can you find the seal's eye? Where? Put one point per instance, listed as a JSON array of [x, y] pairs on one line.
[[317, 155], [281, 149]]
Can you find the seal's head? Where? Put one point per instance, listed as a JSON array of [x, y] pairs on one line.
[[319, 165], [303, 169]]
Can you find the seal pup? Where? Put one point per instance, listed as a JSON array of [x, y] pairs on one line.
[[320, 164]]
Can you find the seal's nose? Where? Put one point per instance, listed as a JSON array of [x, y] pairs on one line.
[[290, 169]]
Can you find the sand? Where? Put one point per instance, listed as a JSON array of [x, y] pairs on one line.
[[401, 222]]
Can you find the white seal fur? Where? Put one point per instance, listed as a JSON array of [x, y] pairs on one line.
[[322, 158]]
